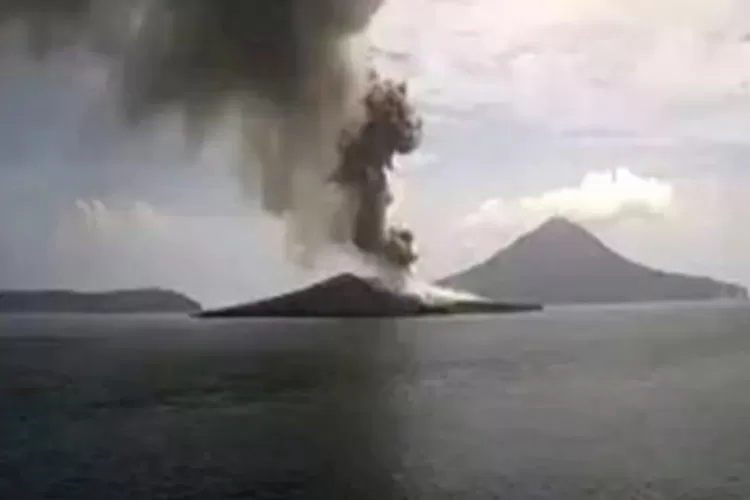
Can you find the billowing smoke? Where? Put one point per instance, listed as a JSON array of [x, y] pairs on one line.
[[320, 127], [390, 126]]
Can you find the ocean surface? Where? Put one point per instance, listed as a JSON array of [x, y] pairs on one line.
[[648, 402]]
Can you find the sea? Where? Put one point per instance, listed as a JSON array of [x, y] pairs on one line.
[[611, 402]]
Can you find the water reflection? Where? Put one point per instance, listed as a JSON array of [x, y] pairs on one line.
[[361, 449]]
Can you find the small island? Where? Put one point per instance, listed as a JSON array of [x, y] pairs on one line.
[[115, 302], [350, 296]]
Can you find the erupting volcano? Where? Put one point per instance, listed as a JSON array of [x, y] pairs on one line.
[[320, 126]]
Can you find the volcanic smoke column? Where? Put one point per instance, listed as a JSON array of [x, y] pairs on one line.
[[320, 131], [391, 126]]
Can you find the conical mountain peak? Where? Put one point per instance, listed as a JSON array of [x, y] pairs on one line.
[[562, 262]]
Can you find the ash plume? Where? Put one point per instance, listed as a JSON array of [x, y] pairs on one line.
[[319, 128], [390, 127]]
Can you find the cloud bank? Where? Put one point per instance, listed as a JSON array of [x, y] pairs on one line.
[[601, 196], [606, 195]]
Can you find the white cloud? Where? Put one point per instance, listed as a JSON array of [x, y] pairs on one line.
[[600, 196], [604, 195]]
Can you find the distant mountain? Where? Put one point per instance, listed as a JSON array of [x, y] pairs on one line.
[[125, 301], [347, 295], [561, 262]]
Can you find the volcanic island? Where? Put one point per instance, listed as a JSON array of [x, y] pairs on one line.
[[350, 296]]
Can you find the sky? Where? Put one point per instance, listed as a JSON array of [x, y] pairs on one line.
[[623, 115]]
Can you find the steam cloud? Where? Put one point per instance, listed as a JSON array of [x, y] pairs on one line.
[[320, 128]]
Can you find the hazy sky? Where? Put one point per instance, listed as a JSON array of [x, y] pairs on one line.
[[626, 115]]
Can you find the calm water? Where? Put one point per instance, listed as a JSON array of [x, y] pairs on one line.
[[632, 403]]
